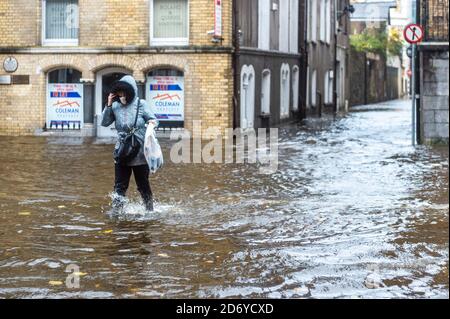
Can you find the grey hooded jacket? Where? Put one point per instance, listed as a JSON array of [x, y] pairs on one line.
[[124, 116]]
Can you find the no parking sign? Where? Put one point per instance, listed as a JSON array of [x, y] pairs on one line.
[[413, 33]]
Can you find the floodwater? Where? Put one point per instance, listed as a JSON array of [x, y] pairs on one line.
[[354, 211]]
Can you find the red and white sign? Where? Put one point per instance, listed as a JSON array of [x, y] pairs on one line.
[[218, 18], [413, 33], [409, 73]]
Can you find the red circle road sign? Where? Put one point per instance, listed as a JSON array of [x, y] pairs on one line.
[[413, 33], [409, 73]]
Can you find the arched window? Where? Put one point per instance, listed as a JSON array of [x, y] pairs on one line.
[[295, 87], [313, 93], [65, 105], [64, 76], [328, 87], [285, 86], [265, 92], [247, 97]]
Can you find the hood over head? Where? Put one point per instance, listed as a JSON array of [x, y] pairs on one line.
[[127, 84]]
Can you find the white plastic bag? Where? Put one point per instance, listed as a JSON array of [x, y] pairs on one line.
[[152, 149]]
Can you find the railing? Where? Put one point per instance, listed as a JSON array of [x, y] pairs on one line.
[[434, 17]]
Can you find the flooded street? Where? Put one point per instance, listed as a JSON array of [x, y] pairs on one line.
[[354, 211]]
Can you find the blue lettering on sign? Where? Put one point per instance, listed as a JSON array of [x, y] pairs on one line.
[[67, 111], [164, 87], [160, 103], [167, 116], [65, 94]]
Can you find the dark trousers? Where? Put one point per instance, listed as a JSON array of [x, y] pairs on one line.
[[122, 181]]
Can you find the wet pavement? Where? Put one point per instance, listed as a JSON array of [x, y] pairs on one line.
[[354, 211]]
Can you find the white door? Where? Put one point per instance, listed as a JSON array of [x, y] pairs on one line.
[[284, 91], [265, 92], [247, 97], [104, 80]]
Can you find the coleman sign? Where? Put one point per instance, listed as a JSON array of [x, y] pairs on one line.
[[65, 106]]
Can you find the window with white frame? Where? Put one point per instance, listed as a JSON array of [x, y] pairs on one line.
[[265, 92], [264, 24], [327, 21], [293, 26], [313, 94], [60, 22], [295, 87], [312, 29], [322, 22], [285, 90], [284, 26], [288, 32], [169, 22], [328, 87]]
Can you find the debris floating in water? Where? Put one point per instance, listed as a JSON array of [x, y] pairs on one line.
[[55, 283]]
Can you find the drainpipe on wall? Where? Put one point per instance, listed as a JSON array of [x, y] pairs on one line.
[[418, 76], [235, 63], [336, 30], [304, 61]]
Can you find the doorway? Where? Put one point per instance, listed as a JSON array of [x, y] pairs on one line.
[[247, 97], [104, 81]]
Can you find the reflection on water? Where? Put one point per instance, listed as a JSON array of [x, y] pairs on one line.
[[353, 211]]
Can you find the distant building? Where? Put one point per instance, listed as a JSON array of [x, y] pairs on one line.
[[327, 47], [377, 77], [268, 62], [433, 72]]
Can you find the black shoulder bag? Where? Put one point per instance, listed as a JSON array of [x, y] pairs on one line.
[[129, 145]]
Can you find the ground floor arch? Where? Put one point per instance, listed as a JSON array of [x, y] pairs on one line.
[[104, 80]]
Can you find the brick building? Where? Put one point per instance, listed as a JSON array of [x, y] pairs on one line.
[[61, 56]]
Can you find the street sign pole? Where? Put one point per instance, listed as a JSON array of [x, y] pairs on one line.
[[413, 34], [413, 95]]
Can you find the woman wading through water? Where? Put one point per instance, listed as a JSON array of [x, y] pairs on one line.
[[123, 104]]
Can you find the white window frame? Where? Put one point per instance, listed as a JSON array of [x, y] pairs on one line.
[[314, 88], [328, 21], [328, 87], [264, 28], [247, 99], [295, 88], [266, 73], [283, 33], [293, 25], [285, 95], [312, 30], [322, 22], [169, 41], [56, 42]]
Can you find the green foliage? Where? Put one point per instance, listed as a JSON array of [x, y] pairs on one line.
[[395, 42], [377, 41]]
